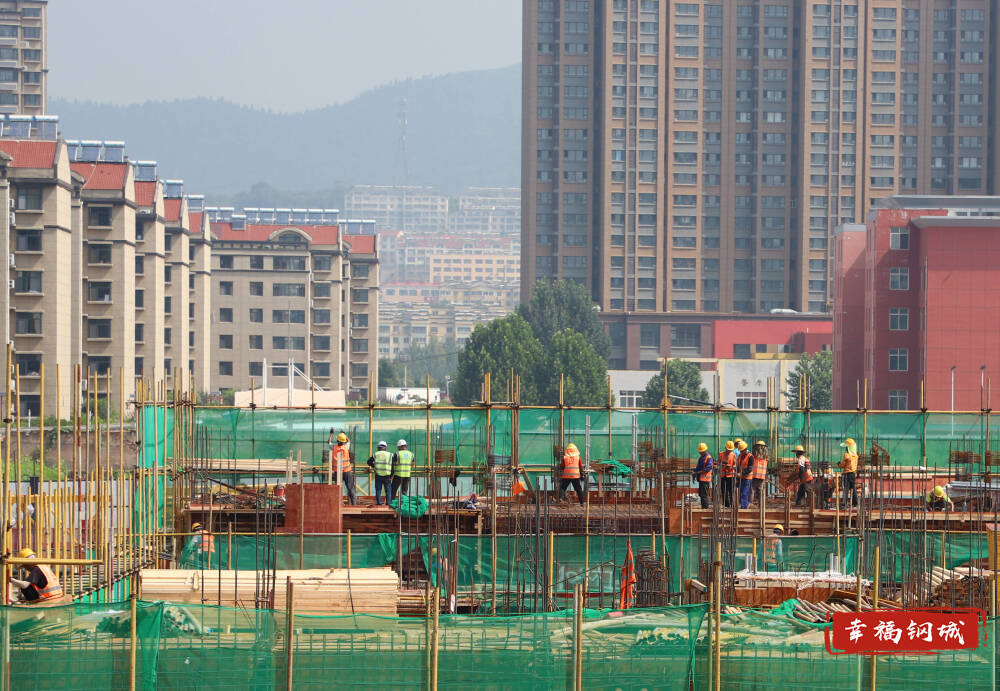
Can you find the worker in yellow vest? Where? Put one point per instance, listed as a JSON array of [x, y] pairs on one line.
[[40, 584], [341, 455], [381, 462], [402, 469], [571, 472]]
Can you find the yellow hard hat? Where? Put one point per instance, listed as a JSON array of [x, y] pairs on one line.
[[196, 526], [730, 446], [799, 447], [737, 441], [741, 444], [702, 447], [25, 553], [341, 437], [571, 447], [779, 527], [849, 442], [939, 491], [760, 443]]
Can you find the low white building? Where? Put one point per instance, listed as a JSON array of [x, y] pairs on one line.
[[413, 395]]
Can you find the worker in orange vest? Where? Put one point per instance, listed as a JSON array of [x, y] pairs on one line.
[[727, 473], [203, 544], [849, 477], [340, 453], [804, 472], [703, 473], [773, 550], [41, 585], [759, 469], [745, 465], [571, 472]]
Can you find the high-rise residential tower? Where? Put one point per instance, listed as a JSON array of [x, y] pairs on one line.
[[686, 159]]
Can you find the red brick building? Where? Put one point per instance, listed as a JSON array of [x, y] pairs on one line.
[[929, 304]]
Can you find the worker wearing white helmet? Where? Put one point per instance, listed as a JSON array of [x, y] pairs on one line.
[[571, 472], [402, 468], [381, 462]]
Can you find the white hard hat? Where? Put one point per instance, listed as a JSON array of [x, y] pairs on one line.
[[401, 443], [382, 445]]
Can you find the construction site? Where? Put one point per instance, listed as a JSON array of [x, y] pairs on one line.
[[228, 555]]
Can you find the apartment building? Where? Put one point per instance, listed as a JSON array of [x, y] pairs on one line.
[[108, 285], [493, 211], [459, 292], [404, 325], [200, 283], [475, 265], [421, 209], [364, 300], [23, 57], [282, 293], [925, 322], [153, 301], [689, 159], [43, 240]]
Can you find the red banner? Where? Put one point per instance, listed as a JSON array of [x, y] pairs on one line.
[[909, 631]]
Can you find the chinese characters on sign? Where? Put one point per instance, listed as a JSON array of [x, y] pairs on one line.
[[895, 631]]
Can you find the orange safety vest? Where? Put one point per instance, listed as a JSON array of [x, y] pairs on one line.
[[759, 468], [206, 543], [53, 589], [771, 550], [728, 464], [806, 472], [746, 463], [571, 465], [706, 476], [343, 455]]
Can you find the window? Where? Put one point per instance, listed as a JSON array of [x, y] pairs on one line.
[[31, 31], [99, 291], [99, 365], [255, 369], [226, 341], [321, 316], [99, 216], [751, 400], [28, 323], [321, 290], [29, 199], [29, 240], [288, 316], [899, 359], [30, 77], [649, 335], [899, 319], [31, 55], [225, 262], [99, 253], [226, 315], [256, 288], [359, 345], [256, 342], [225, 287], [359, 295], [685, 336], [226, 368], [256, 315], [321, 369], [288, 290], [899, 278], [99, 328], [899, 238], [29, 282], [321, 343], [898, 399], [167, 336], [168, 305]]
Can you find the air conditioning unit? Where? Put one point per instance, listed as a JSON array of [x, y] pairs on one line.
[[10, 284], [13, 219], [11, 261]]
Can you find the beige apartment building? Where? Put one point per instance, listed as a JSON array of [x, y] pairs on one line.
[[283, 293], [475, 265], [491, 211], [405, 325], [689, 159], [23, 57], [401, 207], [200, 285], [153, 301]]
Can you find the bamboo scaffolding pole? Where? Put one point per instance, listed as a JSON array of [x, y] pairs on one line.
[[290, 634], [132, 641], [578, 637]]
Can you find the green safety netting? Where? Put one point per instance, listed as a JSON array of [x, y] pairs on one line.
[[902, 552], [196, 646]]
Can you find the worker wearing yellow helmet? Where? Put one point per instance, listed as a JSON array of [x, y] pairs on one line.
[[745, 464], [703, 474], [342, 458], [40, 584], [727, 473], [804, 474], [849, 466], [571, 473], [937, 499]]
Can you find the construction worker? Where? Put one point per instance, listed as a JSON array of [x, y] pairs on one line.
[[41, 585], [571, 472], [341, 454], [827, 484], [759, 469], [402, 469], [773, 549], [727, 473], [849, 467], [202, 545], [937, 498], [745, 465], [804, 474], [381, 461], [703, 473]]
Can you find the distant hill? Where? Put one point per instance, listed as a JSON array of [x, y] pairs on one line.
[[463, 129]]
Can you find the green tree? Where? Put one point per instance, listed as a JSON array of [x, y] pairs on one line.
[[585, 373], [498, 347], [818, 370], [437, 359], [685, 387], [389, 373], [558, 305]]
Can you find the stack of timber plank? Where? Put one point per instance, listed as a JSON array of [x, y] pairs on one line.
[[316, 591]]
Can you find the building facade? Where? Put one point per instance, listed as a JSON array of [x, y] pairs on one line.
[[421, 209], [686, 159], [930, 308], [364, 299], [492, 211], [23, 57]]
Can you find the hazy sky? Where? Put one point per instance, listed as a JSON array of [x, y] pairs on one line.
[[288, 55]]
